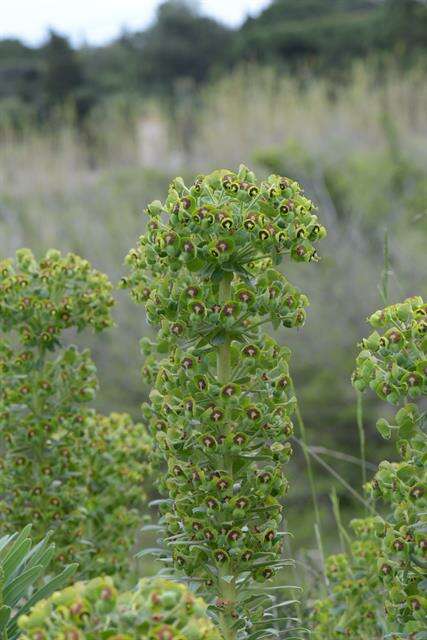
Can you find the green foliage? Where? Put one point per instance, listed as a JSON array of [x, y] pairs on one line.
[[222, 402], [195, 45], [60, 459], [404, 24], [380, 587], [311, 31], [20, 71], [393, 364], [183, 44], [62, 76], [115, 468], [22, 567], [354, 608], [156, 609], [326, 35]]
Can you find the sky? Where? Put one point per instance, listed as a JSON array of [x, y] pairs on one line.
[[98, 21]]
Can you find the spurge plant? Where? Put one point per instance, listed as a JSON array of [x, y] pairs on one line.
[[61, 463], [379, 589], [220, 410]]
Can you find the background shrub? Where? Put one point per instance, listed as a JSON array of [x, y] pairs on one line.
[[63, 465]]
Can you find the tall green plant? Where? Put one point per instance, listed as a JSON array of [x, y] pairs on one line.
[[62, 465], [221, 406], [379, 589]]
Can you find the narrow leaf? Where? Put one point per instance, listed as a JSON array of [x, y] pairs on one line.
[[4, 616], [17, 588], [44, 592]]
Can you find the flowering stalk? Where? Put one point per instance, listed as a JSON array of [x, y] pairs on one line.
[[221, 406], [379, 589], [61, 463]]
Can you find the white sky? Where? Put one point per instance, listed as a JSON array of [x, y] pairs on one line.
[[97, 21]]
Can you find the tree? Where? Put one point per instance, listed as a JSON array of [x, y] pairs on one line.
[[181, 44], [63, 76], [298, 31], [404, 25]]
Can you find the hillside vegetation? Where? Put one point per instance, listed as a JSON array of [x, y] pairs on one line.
[[182, 48]]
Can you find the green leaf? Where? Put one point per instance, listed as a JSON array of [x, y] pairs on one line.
[[384, 428], [44, 592], [153, 551], [5, 612], [3, 545], [14, 559], [16, 538], [195, 264], [38, 550], [43, 557], [17, 588]]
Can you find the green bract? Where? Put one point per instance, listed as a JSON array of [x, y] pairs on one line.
[[157, 610], [382, 585], [60, 460], [221, 406]]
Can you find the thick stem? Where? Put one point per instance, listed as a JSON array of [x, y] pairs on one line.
[[227, 590]]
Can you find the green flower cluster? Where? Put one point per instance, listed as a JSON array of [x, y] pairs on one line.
[[115, 468], [227, 465], [355, 606], [39, 300], [157, 610], [387, 568], [221, 406], [59, 458], [394, 363]]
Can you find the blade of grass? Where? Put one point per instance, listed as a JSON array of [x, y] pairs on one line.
[[343, 535], [305, 448], [337, 476], [345, 457]]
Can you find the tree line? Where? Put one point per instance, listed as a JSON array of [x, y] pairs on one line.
[[310, 36]]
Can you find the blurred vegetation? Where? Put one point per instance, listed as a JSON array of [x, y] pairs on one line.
[[332, 93], [311, 36]]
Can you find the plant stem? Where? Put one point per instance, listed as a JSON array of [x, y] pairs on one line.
[[227, 589], [343, 535], [383, 287], [360, 427]]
